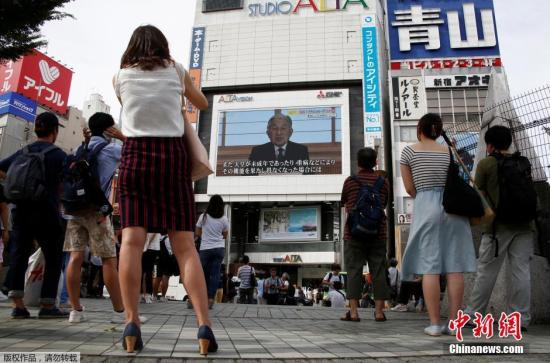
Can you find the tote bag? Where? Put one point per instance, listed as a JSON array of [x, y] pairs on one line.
[[200, 164], [459, 197]]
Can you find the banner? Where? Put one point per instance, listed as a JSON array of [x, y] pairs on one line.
[[371, 81], [195, 69]]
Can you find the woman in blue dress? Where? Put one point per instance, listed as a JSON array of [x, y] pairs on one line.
[[439, 243]]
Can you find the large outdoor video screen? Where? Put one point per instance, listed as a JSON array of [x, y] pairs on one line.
[[303, 137]]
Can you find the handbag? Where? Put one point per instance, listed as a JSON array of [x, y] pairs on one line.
[[459, 197], [200, 164]]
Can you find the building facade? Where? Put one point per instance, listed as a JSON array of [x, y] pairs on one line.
[[94, 104], [287, 74], [442, 58]]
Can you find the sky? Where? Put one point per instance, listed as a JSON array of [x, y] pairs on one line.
[[93, 43]]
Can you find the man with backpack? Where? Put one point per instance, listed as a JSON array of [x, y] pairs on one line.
[[87, 226], [365, 197], [506, 181], [33, 176]]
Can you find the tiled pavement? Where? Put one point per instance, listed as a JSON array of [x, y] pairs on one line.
[[249, 331]]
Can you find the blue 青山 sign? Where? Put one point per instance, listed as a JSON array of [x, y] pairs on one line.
[[18, 105], [424, 29]]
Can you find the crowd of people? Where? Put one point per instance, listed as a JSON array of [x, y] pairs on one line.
[[159, 225]]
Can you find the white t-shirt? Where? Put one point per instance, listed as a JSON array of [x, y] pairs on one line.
[[337, 299], [212, 229], [152, 242], [334, 278], [151, 101]]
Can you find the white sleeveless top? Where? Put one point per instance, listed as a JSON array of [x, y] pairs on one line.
[[151, 101]]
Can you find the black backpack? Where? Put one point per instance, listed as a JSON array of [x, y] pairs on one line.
[[517, 201], [26, 176], [81, 187], [365, 219]]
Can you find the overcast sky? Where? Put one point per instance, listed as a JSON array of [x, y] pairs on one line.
[[93, 43]]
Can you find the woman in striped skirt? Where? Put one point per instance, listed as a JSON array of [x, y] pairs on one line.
[[439, 243], [156, 193]]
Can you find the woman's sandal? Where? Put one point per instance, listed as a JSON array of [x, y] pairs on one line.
[[380, 319], [349, 318], [207, 341], [131, 338]]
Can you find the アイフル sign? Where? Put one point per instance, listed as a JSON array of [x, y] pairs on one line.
[[441, 29], [39, 78]]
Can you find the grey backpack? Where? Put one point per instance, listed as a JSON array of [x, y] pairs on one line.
[[26, 176]]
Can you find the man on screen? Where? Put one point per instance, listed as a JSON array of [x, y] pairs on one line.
[[279, 148]]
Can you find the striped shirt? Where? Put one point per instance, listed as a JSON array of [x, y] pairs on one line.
[[350, 191], [429, 168], [244, 274]]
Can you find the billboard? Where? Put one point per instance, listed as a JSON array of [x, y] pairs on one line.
[[279, 133], [195, 69], [409, 98], [39, 78], [294, 224], [442, 29], [18, 105], [371, 81]]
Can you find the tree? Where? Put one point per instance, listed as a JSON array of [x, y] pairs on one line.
[[20, 22]]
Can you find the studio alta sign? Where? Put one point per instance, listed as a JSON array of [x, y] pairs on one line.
[[286, 7]]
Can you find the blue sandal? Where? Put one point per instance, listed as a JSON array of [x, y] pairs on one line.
[[207, 341], [131, 338]]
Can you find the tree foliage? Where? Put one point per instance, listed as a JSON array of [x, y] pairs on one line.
[[20, 22]]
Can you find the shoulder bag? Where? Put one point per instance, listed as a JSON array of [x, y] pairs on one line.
[[200, 165], [459, 197]]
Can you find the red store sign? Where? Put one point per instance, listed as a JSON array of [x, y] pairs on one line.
[[446, 63], [39, 78]]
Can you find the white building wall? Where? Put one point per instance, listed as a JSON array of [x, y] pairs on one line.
[[244, 50], [93, 105]]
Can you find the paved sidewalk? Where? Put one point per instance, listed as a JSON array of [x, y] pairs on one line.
[[251, 331]]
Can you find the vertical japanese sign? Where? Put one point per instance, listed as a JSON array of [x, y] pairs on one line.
[[9, 76], [371, 81], [409, 98], [195, 69]]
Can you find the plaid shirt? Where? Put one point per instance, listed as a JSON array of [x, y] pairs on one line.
[[350, 192]]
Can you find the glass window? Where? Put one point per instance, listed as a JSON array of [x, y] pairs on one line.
[[407, 134]]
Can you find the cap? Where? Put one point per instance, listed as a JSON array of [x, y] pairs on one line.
[[47, 121]]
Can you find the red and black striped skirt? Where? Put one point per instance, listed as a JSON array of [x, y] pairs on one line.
[[155, 187]]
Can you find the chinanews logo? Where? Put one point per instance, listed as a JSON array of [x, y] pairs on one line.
[[49, 74]]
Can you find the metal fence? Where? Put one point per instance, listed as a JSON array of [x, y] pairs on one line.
[[528, 116]]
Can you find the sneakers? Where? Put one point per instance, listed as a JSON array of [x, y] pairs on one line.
[[17, 313], [120, 318], [399, 307], [433, 330], [446, 331], [77, 316], [162, 299], [148, 299], [53, 313]]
